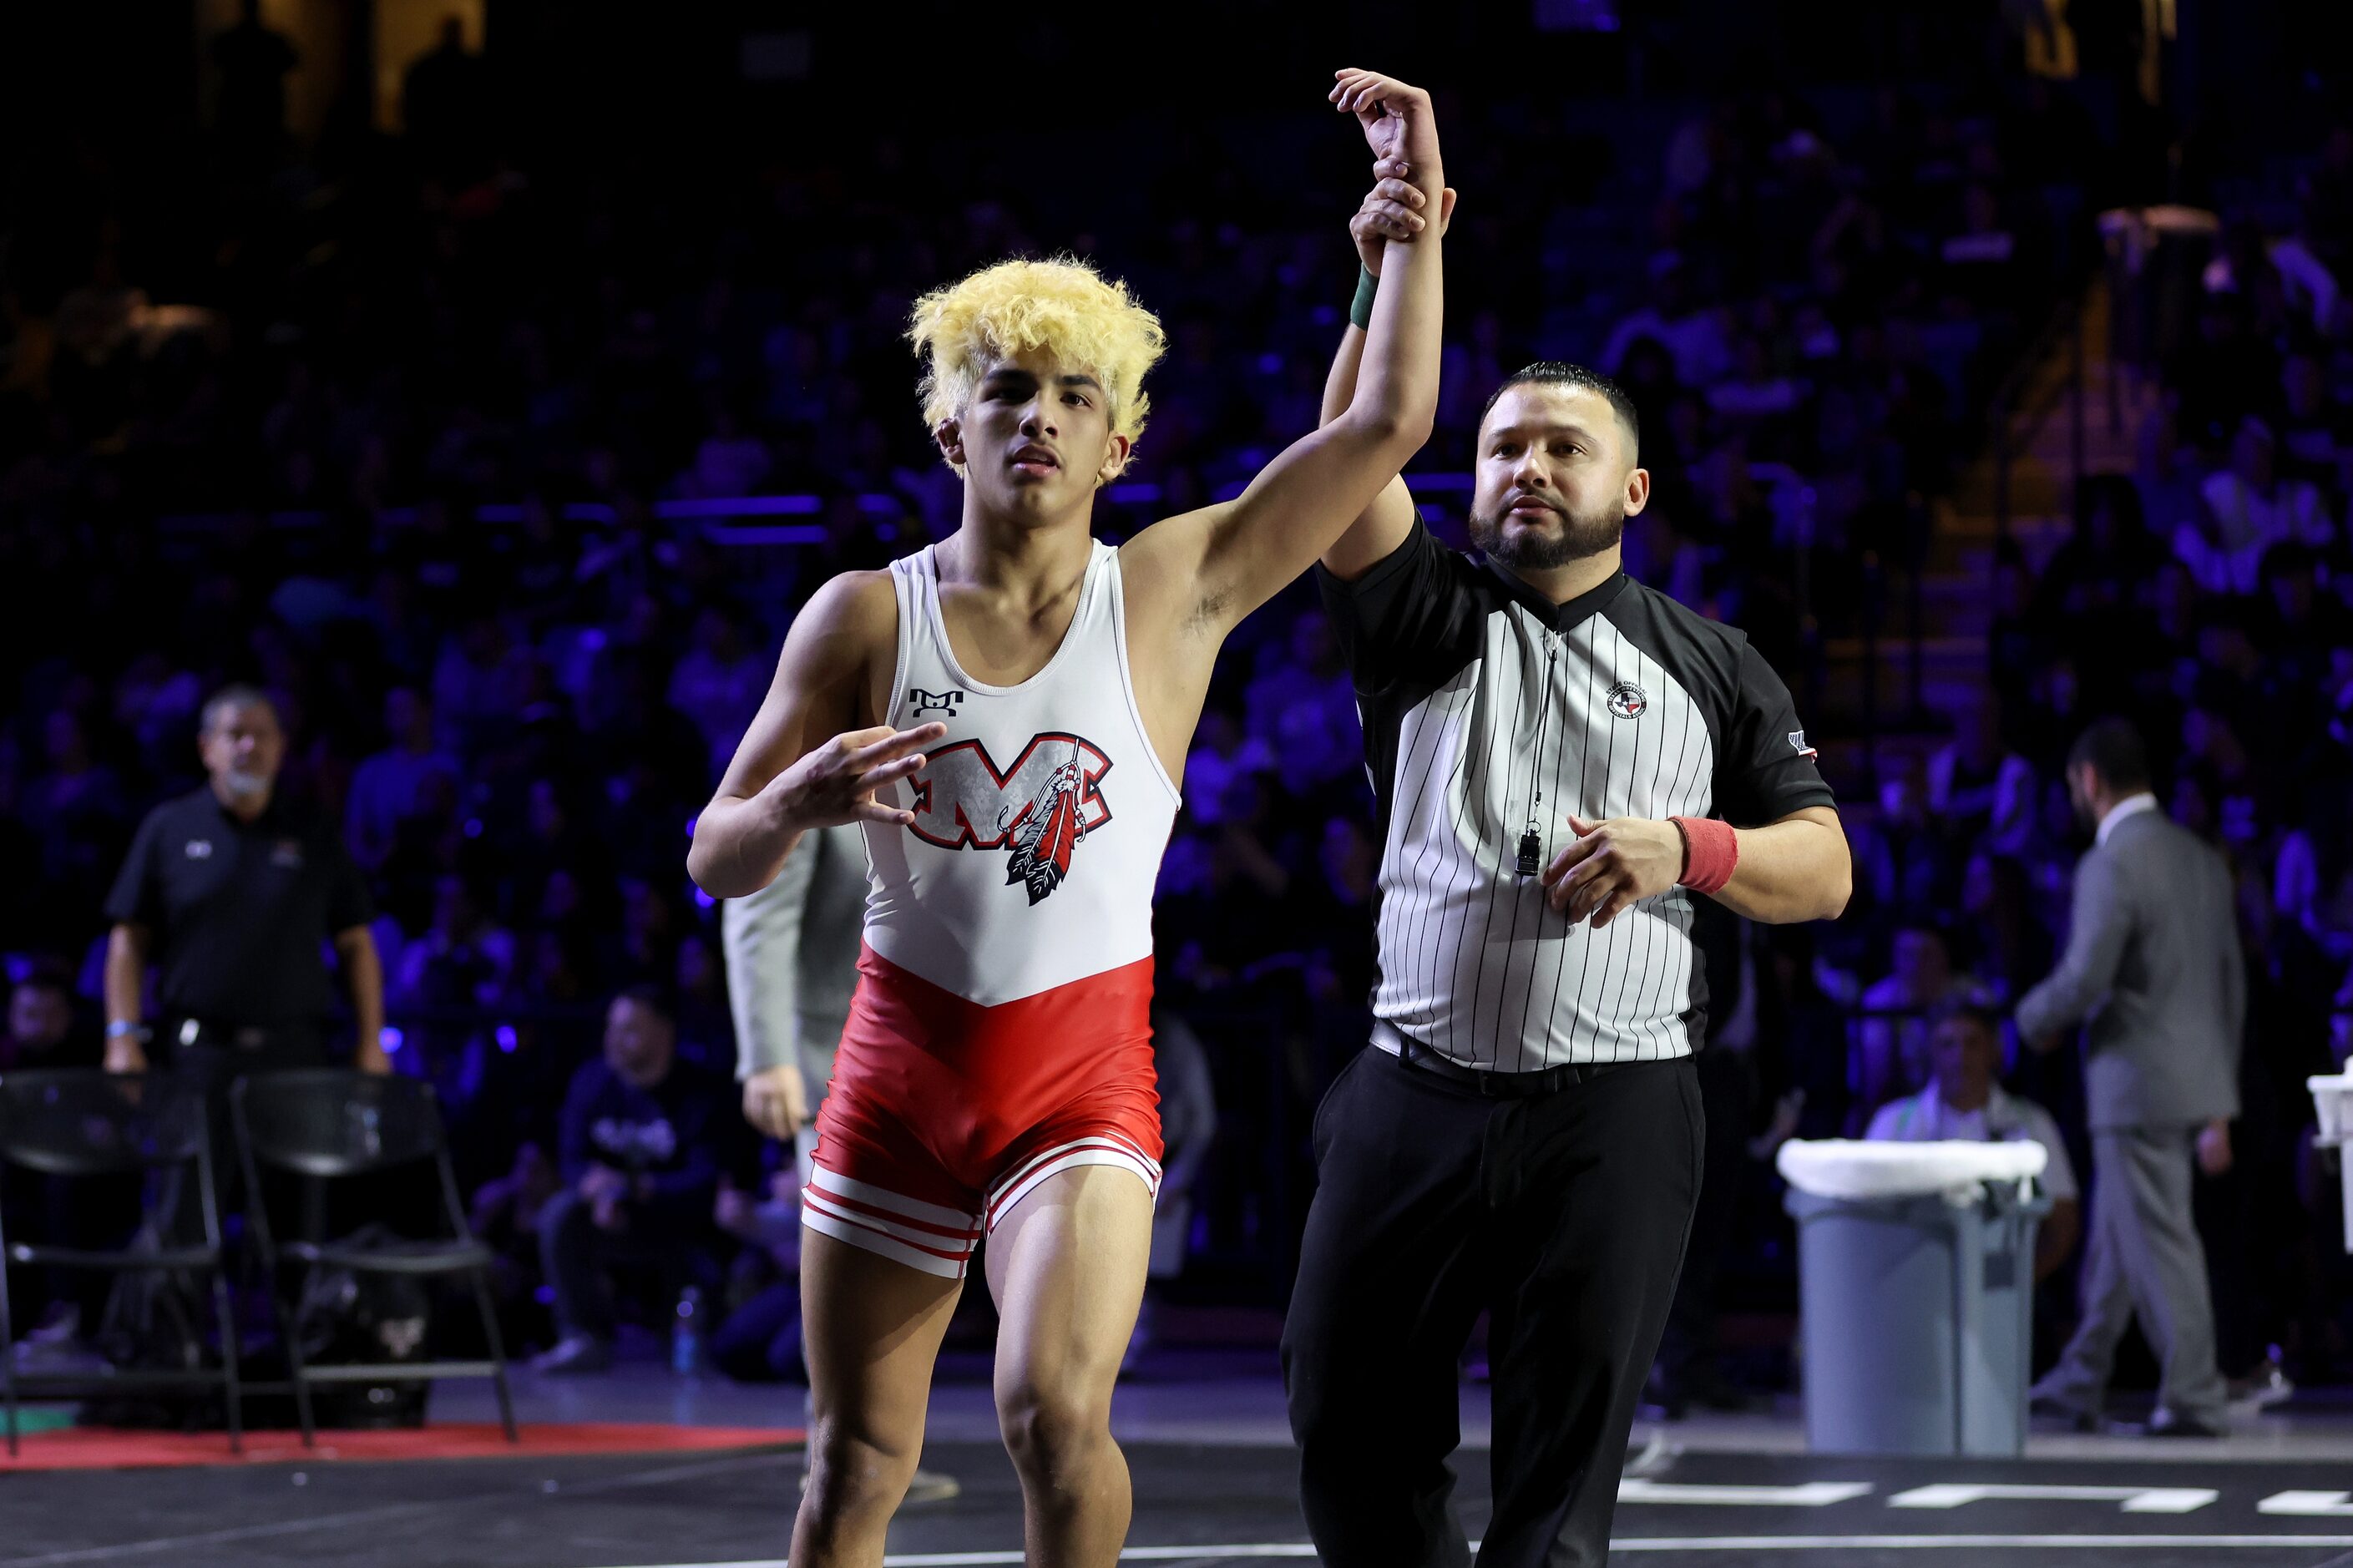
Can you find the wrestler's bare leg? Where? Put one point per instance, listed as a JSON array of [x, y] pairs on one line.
[[871, 1330], [1066, 1265]]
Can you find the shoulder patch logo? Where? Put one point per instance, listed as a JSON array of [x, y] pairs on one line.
[[200, 849], [1797, 745], [1629, 700]]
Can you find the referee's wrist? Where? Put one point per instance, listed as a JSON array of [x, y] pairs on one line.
[[129, 1029]]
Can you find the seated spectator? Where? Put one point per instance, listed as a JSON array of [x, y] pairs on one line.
[[2004, 944], [2248, 509], [1965, 1102], [720, 682], [1891, 1048], [1302, 705], [1900, 861], [1222, 751], [1978, 789], [43, 1033], [387, 788], [760, 1342], [643, 1141]]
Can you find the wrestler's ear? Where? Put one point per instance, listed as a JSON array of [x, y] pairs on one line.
[[949, 434], [1116, 448]]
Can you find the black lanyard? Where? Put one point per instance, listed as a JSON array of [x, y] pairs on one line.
[[1532, 839]]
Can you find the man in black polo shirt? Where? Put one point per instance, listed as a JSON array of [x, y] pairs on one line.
[[1564, 761], [235, 892]]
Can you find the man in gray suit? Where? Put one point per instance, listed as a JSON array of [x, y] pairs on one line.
[[2153, 971], [791, 964]]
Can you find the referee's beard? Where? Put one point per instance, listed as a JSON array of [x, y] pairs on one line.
[[1547, 544]]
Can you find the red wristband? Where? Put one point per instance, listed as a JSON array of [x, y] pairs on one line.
[[1711, 850]]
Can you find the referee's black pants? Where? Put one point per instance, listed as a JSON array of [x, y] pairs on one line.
[[1563, 1215]]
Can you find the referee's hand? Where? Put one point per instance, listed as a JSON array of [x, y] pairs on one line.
[[1612, 866]]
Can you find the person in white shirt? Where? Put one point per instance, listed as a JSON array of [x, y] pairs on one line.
[[1964, 1102]]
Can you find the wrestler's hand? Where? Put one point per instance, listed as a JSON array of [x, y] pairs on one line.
[[775, 1101], [835, 783], [1398, 122], [1394, 209], [1612, 866]]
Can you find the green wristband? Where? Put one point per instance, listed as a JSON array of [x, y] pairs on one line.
[[1367, 285]]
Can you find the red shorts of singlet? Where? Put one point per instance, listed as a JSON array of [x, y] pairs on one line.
[[943, 1113]]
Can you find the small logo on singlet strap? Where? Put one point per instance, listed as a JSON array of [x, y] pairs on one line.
[[947, 703], [1628, 700]]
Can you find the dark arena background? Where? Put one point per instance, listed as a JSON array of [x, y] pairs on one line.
[[483, 385]]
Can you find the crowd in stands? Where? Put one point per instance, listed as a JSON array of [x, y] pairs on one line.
[[410, 453]]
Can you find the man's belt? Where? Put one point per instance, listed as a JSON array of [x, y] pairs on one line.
[[1483, 1080]]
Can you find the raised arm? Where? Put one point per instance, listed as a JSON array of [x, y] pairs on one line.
[[1392, 211], [1234, 556], [800, 765]]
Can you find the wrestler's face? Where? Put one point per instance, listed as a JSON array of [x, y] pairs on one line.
[[1556, 478], [1034, 440]]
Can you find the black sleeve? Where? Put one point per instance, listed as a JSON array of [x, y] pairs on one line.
[[137, 897], [1406, 613], [1766, 769], [348, 903]]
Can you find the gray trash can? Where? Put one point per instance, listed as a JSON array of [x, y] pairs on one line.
[[1918, 1321]]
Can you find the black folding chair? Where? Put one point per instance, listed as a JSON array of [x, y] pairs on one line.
[[325, 1123], [81, 1123]]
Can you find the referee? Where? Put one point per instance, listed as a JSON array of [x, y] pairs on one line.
[[1563, 758]]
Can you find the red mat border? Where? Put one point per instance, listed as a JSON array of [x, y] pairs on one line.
[[102, 1448]]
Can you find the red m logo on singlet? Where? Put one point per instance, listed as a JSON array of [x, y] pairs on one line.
[[1038, 809]]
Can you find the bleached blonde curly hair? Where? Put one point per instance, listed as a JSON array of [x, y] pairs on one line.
[[1061, 305]]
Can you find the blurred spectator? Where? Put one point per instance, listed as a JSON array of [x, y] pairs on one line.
[[1979, 791], [645, 1140], [2248, 509], [44, 1035], [1189, 1122], [720, 682], [760, 1342], [386, 787], [1890, 1051], [1964, 1102], [43, 1029]]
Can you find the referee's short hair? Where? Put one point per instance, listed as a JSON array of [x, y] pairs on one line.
[[238, 694], [2113, 749], [1561, 372]]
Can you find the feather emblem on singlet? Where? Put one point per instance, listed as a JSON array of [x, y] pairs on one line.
[[1049, 830]]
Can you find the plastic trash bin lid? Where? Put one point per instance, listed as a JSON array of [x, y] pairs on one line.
[[2332, 1098], [1844, 1168]]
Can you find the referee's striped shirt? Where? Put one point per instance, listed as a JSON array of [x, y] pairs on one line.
[[1478, 694]]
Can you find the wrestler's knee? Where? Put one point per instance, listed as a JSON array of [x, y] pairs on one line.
[[1055, 1432], [855, 1476]]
